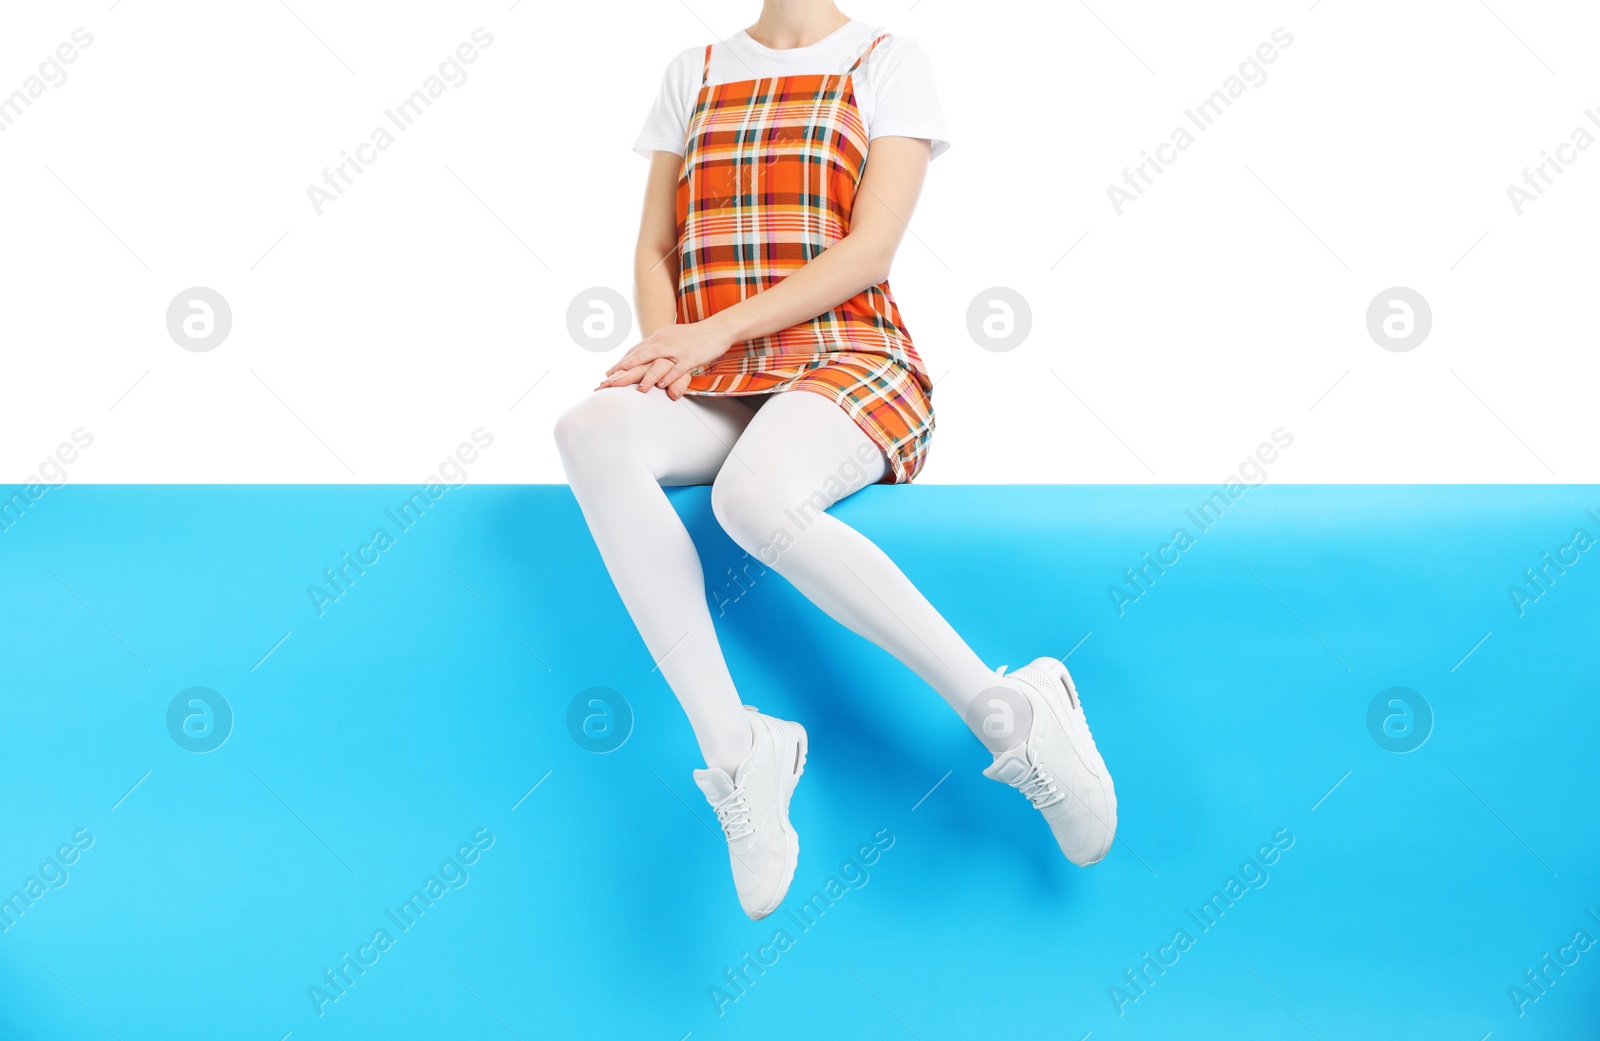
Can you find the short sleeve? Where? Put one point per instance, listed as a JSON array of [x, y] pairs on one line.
[[666, 128], [905, 98]]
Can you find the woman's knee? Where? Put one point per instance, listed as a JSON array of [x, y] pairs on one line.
[[749, 509], [598, 424]]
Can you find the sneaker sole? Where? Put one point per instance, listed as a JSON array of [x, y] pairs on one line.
[[1077, 730], [795, 749]]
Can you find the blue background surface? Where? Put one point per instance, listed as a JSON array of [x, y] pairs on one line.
[[1230, 701]]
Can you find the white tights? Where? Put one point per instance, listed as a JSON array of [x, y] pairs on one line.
[[773, 469]]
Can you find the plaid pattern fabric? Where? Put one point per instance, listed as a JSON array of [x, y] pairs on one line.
[[770, 172]]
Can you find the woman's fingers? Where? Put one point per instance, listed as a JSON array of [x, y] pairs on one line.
[[680, 370], [654, 372], [648, 366], [622, 379], [674, 388], [627, 361], [644, 351]]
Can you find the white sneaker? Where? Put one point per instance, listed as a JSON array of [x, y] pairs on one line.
[[753, 807], [1058, 767]]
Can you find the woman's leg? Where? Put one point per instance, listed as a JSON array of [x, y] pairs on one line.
[[619, 447], [798, 456]]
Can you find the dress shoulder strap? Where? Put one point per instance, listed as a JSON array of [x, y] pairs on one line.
[[705, 70], [863, 57]]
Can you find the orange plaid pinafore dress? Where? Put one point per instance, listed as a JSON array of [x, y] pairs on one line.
[[770, 172]]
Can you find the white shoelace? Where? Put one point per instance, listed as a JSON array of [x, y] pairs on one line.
[[734, 814], [1039, 787]]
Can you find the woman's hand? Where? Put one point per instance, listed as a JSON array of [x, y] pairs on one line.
[[667, 356]]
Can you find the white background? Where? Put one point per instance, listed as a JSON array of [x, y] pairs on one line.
[[1167, 342]]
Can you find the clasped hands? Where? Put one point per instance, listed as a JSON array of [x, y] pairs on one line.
[[666, 357]]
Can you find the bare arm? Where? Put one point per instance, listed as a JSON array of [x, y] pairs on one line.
[[655, 257], [890, 186]]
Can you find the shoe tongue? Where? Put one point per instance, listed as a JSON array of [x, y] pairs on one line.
[[1009, 766], [715, 783]]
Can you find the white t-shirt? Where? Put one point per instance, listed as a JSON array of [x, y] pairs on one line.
[[893, 85]]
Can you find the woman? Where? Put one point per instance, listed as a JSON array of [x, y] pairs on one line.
[[761, 271]]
